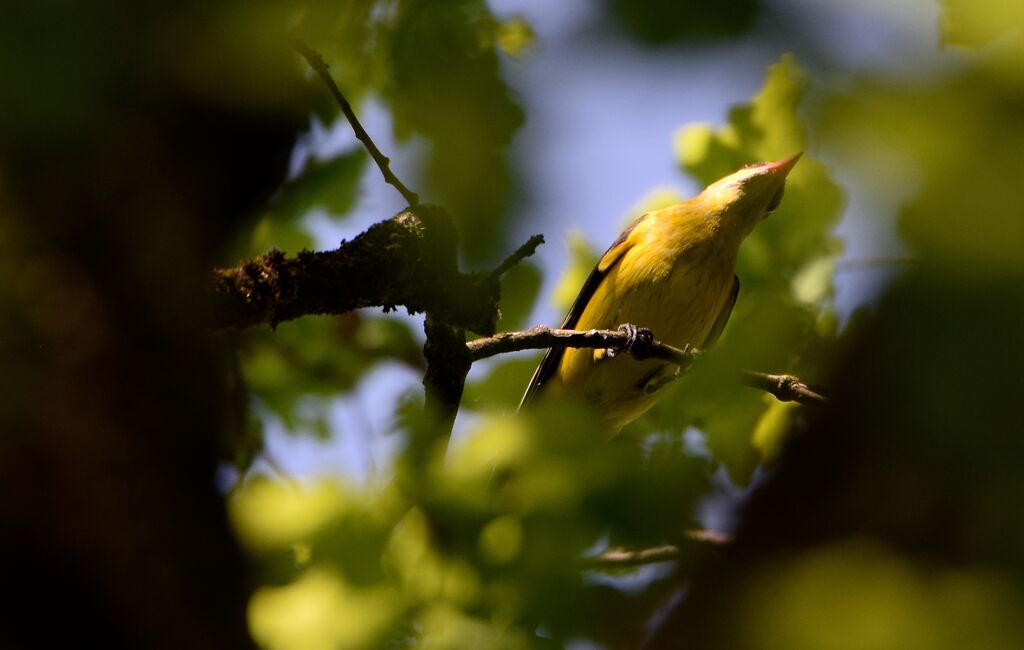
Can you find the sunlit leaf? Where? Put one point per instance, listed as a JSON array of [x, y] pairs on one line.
[[330, 185], [456, 98], [864, 595], [321, 611], [294, 369], [501, 540], [785, 267], [273, 515], [961, 213], [514, 36], [977, 22], [656, 199], [771, 430], [813, 283]]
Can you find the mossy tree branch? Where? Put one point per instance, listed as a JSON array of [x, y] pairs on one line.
[[408, 260]]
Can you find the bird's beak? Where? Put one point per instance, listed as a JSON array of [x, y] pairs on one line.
[[782, 167]]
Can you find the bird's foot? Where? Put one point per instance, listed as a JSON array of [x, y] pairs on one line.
[[638, 341]]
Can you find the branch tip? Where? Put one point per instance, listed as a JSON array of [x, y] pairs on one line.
[[785, 388], [521, 253], [622, 558], [316, 61]]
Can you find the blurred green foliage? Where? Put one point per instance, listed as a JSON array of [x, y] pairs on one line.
[[436, 65], [888, 520], [456, 99], [294, 369], [482, 547], [582, 258], [501, 387], [661, 22], [976, 23], [781, 319], [519, 288], [329, 185], [861, 594], [489, 550], [436, 68], [487, 544], [976, 111]]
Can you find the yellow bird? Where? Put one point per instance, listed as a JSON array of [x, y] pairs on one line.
[[672, 271]]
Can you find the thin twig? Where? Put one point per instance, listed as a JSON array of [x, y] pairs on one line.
[[521, 253], [785, 388], [546, 337], [383, 162], [621, 558]]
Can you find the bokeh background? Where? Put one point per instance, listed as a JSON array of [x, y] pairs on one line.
[[582, 73], [165, 486]]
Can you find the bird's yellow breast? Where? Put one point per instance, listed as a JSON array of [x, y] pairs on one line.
[[674, 278]]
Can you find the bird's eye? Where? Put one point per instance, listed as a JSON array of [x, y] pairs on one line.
[[775, 201]]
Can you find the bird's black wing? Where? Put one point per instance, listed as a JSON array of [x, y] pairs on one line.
[[553, 356], [723, 316]]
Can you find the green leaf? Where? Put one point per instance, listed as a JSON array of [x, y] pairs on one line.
[[514, 36], [519, 288], [445, 83], [668, 21], [294, 369], [973, 23], [503, 385], [786, 268], [331, 185], [958, 207]]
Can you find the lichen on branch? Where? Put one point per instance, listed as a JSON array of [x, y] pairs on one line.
[[409, 260]]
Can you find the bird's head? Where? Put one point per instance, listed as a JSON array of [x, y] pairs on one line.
[[744, 198]]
